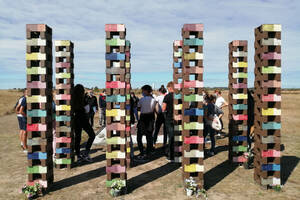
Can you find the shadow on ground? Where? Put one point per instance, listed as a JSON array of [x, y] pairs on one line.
[[288, 164]]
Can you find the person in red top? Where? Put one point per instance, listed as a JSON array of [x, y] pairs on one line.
[[102, 105]]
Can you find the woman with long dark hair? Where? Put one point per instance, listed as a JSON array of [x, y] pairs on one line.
[[80, 122]]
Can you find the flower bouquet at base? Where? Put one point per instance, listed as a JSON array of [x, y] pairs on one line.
[[117, 187], [32, 191]]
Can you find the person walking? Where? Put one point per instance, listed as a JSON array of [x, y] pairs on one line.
[[220, 103], [146, 121], [160, 119], [92, 101], [20, 109], [81, 121], [167, 108], [102, 105]]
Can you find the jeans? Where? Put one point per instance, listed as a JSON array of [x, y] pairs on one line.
[[102, 116], [91, 118], [136, 113], [169, 123], [209, 130], [145, 127], [159, 121]]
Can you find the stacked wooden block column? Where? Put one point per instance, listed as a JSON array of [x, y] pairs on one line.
[[238, 100], [39, 104], [64, 84], [128, 89], [268, 104], [117, 87], [192, 102], [177, 78]]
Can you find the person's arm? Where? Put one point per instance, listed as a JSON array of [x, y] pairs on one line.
[[95, 103], [22, 111], [224, 104], [165, 102], [139, 106]]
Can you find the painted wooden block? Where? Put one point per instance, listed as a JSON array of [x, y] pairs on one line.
[[109, 183], [193, 98], [36, 42], [193, 112], [193, 168], [239, 54], [115, 71], [178, 148], [115, 169], [271, 126], [127, 54], [44, 184], [237, 43], [63, 65], [177, 117], [178, 86], [63, 97], [193, 154], [177, 96], [127, 64], [128, 150], [193, 84], [239, 159], [36, 27], [271, 27], [270, 167], [240, 117], [177, 106], [239, 106], [36, 141], [36, 84], [193, 42], [63, 161], [239, 149], [115, 140], [63, 86], [239, 64], [37, 113], [62, 107], [271, 112], [239, 85], [36, 56], [63, 75], [114, 27], [239, 138], [36, 99], [270, 181], [63, 150], [270, 42], [268, 139], [63, 118], [240, 96], [177, 64], [37, 170], [242, 127], [193, 27], [240, 75], [271, 70], [115, 42], [178, 127], [115, 154], [271, 83], [36, 70], [271, 56], [127, 43], [62, 54], [63, 140], [115, 126], [193, 126], [62, 43], [36, 155], [193, 56], [115, 56], [63, 129], [115, 113], [178, 138], [177, 43], [271, 97], [115, 84], [270, 153], [36, 127], [177, 159], [193, 140], [177, 54]]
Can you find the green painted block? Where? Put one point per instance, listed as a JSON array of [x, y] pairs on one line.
[[63, 161], [37, 113], [63, 75], [36, 70], [240, 75], [193, 42], [127, 43], [36, 170], [193, 98], [239, 149], [115, 42], [271, 70]]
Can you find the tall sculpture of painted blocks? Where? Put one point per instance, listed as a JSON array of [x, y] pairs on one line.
[[64, 84], [192, 102], [238, 100], [268, 104], [116, 87], [177, 78], [39, 104]]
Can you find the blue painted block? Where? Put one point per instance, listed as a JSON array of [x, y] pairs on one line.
[[115, 98], [63, 150], [240, 107], [115, 56], [239, 138], [270, 167], [193, 42], [36, 113], [127, 107], [177, 96], [117, 106], [63, 118], [271, 126], [193, 112], [178, 64], [36, 155]]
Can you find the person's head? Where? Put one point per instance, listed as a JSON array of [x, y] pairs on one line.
[[78, 96], [212, 98], [25, 92], [132, 94], [218, 92], [104, 91], [162, 90], [146, 90], [170, 86]]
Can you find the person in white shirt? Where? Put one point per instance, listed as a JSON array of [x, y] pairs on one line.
[[220, 103], [145, 125], [160, 116]]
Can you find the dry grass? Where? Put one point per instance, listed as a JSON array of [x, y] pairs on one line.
[[157, 179], [8, 99]]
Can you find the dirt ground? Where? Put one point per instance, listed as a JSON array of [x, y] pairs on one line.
[[157, 179]]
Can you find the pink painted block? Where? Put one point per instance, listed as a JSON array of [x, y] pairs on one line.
[[239, 159], [36, 127], [128, 86], [115, 126], [193, 27], [62, 65], [36, 27], [41, 182], [178, 149], [63, 140], [193, 140], [115, 169], [193, 70], [177, 117], [127, 129], [133, 129], [240, 117], [63, 86], [193, 84], [63, 97], [127, 54], [271, 84], [271, 97], [178, 43], [239, 85], [177, 86], [239, 42], [114, 27], [272, 55], [270, 153], [115, 84], [36, 84]]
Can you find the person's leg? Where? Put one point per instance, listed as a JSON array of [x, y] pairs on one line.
[[78, 130], [165, 133], [54, 138], [24, 133], [104, 116], [136, 114], [140, 136], [170, 131], [90, 131], [212, 138], [158, 123], [92, 119], [149, 137]]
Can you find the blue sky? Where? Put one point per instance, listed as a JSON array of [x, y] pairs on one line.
[[151, 26]]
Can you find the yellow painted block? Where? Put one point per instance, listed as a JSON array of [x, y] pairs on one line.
[[115, 113], [193, 56], [178, 138], [115, 154], [271, 111], [62, 43], [239, 64], [36, 99], [178, 54], [178, 107], [63, 108], [127, 64], [271, 27], [35, 56], [194, 168], [128, 150], [240, 96]]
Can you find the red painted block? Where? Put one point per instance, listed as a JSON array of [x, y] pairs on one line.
[[273, 83], [177, 86], [193, 27], [115, 84], [193, 84], [193, 140], [271, 56], [63, 140], [178, 43], [63, 97], [62, 65], [240, 117], [271, 97], [114, 27], [239, 42], [239, 159], [115, 169], [239, 85], [36, 127], [270, 153], [177, 117]]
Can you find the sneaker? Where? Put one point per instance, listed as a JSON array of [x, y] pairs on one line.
[[25, 151], [207, 141], [170, 161], [87, 158], [211, 153], [141, 157]]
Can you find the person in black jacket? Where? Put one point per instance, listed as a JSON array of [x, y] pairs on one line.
[[102, 105], [81, 121], [92, 101]]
